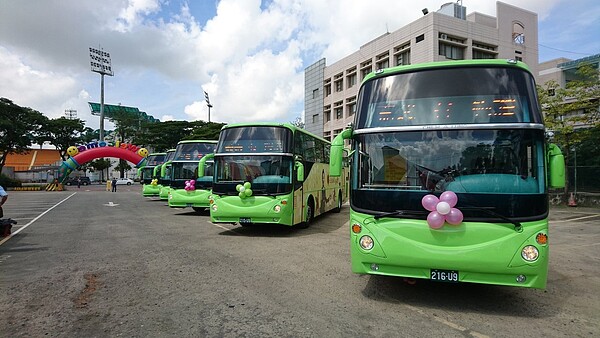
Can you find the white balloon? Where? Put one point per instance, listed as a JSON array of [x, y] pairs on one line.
[[443, 208]]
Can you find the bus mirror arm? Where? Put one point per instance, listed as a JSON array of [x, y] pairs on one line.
[[299, 171], [202, 164], [337, 152]]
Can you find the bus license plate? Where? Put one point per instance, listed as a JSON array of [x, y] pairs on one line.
[[444, 275], [245, 220]]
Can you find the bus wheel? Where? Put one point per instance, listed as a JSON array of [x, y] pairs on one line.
[[339, 203], [310, 214]]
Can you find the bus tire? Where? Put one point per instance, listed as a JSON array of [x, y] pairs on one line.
[[310, 214], [338, 208]]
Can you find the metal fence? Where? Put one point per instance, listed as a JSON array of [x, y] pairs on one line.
[[584, 179]]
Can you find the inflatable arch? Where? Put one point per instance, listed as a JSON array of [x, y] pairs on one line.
[[81, 155]]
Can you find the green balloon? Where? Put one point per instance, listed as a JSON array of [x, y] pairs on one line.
[[247, 185], [238, 187], [248, 192], [242, 195]]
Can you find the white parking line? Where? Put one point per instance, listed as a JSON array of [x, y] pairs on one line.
[[35, 219], [575, 219]]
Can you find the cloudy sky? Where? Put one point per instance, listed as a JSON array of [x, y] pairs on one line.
[[249, 55]]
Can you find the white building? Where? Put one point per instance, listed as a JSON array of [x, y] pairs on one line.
[[448, 34]]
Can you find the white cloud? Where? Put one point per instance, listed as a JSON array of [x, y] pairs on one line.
[[250, 55]]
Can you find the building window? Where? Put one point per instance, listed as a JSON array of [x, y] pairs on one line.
[[484, 51], [327, 135], [479, 54], [327, 87], [339, 110], [315, 118], [383, 60], [452, 52], [327, 113], [518, 34], [420, 38], [339, 113], [315, 93], [365, 68], [403, 58], [518, 58], [351, 80], [336, 132]]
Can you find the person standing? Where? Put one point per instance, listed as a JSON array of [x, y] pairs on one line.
[[114, 184], [78, 182], [3, 198]]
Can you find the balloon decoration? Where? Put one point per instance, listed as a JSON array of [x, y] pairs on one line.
[[154, 182], [244, 190], [190, 185], [442, 209]]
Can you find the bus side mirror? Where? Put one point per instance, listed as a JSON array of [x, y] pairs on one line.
[[556, 167], [299, 171], [336, 156], [202, 164]]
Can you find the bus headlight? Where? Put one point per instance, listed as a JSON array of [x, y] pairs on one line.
[[214, 207], [530, 253], [277, 208], [366, 242]]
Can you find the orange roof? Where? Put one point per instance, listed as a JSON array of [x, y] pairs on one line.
[[34, 158]]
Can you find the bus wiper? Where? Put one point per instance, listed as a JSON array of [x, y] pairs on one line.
[[518, 226], [399, 213]]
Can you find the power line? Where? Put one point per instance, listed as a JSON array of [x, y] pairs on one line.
[[564, 51]]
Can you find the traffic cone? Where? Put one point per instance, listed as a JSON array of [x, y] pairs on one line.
[[572, 202]]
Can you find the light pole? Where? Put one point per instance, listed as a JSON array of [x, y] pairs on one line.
[[207, 104], [100, 63]]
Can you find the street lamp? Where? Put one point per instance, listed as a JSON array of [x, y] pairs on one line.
[[207, 104], [100, 63]]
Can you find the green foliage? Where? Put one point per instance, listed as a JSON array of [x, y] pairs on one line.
[[298, 123], [6, 182], [164, 135], [61, 133], [205, 131], [572, 112], [122, 167], [19, 126], [100, 165]]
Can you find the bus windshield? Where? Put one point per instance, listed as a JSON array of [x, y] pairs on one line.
[[490, 165], [193, 151], [449, 96], [146, 174], [269, 174], [255, 139]]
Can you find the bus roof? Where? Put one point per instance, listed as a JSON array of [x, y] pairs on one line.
[[447, 64], [273, 124], [195, 141]]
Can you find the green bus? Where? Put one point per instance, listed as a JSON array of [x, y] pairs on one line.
[[148, 176], [187, 189], [163, 172], [272, 173], [450, 172]]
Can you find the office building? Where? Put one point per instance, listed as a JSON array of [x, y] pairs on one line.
[[447, 34]]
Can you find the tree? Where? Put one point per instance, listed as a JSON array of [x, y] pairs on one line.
[[298, 122], [61, 133], [571, 110], [127, 126], [163, 136], [100, 164], [18, 128], [205, 131]]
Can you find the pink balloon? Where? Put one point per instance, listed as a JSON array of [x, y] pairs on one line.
[[435, 220], [455, 217], [449, 197], [429, 202]]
